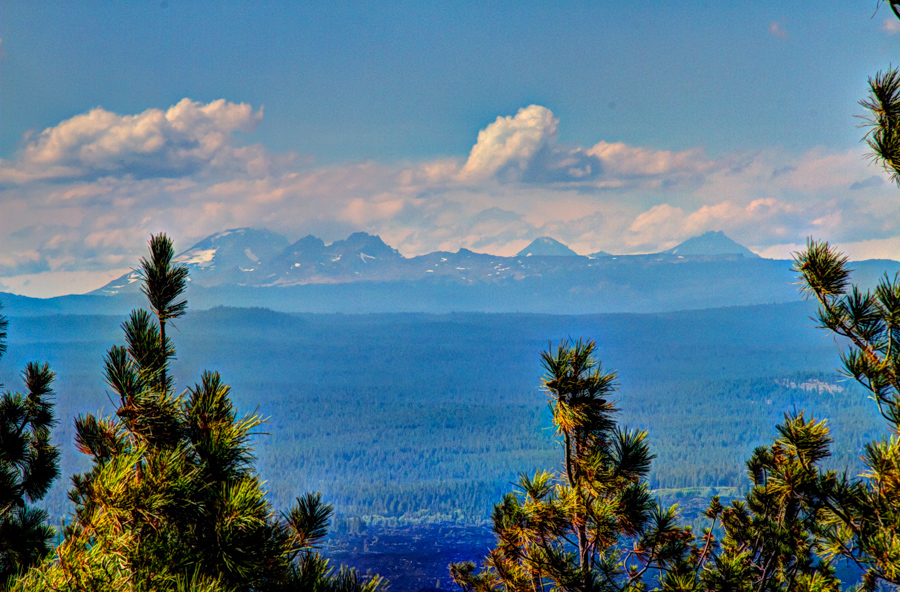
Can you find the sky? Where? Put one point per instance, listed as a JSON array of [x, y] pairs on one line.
[[614, 126]]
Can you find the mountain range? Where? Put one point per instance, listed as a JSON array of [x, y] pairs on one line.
[[248, 267], [260, 258]]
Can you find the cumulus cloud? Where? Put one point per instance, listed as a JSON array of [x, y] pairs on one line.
[[185, 139], [524, 148], [508, 144], [83, 196]]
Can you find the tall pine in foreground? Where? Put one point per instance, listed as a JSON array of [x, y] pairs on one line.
[[28, 466], [797, 519], [865, 515], [172, 500], [868, 520], [594, 526]]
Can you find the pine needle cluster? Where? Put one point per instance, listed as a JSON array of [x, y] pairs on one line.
[[28, 465], [867, 515], [172, 500]]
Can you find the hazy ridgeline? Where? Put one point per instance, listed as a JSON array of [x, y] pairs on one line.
[[431, 416]]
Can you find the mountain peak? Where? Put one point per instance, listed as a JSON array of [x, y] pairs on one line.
[[600, 254], [545, 246], [713, 242], [241, 246], [359, 241]]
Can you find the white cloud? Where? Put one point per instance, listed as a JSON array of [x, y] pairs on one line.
[[84, 195], [507, 145], [524, 148], [186, 139]]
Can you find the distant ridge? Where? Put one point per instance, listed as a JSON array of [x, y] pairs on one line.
[[709, 243], [256, 267], [258, 258], [546, 247]]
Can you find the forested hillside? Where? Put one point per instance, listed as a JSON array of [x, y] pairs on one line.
[[429, 417]]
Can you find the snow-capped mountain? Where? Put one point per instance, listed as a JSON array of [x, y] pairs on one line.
[[309, 260], [232, 257], [260, 258], [236, 256]]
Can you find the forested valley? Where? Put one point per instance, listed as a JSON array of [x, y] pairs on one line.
[[429, 417], [416, 423]]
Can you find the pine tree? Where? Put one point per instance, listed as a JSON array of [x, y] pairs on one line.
[[163, 282], [570, 530], [869, 509], [172, 500], [866, 511], [28, 466], [777, 539]]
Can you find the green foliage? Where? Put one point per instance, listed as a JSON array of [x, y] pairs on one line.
[[569, 530], [163, 284], [172, 500], [867, 512], [28, 466], [777, 539], [163, 281], [798, 518], [883, 137]]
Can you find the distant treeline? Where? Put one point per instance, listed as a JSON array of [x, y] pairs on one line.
[[430, 417]]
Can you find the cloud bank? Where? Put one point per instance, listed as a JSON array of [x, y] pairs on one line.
[[186, 139], [84, 195]]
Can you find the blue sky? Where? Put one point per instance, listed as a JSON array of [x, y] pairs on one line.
[[625, 127]]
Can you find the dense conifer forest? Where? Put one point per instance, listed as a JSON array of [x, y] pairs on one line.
[[430, 416]]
